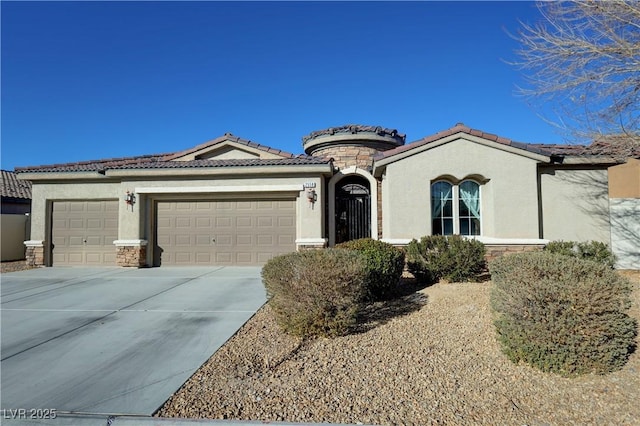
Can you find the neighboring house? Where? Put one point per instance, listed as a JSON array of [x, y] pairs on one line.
[[15, 207], [230, 201]]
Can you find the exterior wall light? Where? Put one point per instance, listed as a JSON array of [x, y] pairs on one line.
[[309, 188], [130, 199]]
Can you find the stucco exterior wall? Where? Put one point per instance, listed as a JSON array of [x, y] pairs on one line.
[[625, 232], [14, 232], [624, 180], [42, 194], [574, 204], [509, 201]]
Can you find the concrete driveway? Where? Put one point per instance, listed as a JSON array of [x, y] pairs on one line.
[[113, 340]]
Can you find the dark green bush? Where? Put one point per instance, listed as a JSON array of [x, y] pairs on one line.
[[384, 266], [450, 257], [562, 314], [316, 292], [591, 250]]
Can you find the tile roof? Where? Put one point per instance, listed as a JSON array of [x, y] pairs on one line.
[[12, 187], [232, 138], [459, 128], [93, 165], [606, 146], [160, 162], [248, 162], [355, 128], [165, 161]]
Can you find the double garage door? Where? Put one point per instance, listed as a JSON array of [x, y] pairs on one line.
[[230, 232], [233, 232]]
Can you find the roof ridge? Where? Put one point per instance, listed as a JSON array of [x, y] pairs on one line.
[[233, 138]]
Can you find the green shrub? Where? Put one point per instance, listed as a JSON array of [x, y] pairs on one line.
[[384, 266], [316, 292], [562, 314], [591, 250], [450, 257]]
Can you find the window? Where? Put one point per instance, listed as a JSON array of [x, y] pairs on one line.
[[455, 209]]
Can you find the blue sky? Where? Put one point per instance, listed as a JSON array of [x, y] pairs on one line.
[[90, 80]]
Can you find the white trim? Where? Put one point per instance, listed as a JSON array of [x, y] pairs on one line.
[[508, 241], [311, 241], [396, 241], [484, 240], [34, 243], [218, 189], [137, 243]]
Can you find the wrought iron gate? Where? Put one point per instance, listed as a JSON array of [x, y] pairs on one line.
[[353, 210]]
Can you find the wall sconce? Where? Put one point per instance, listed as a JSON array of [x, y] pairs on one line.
[[130, 199], [309, 188], [311, 195]]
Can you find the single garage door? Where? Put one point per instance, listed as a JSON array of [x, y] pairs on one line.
[[233, 232], [83, 232]]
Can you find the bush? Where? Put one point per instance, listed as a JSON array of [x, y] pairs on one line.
[[316, 292], [384, 266], [450, 257], [591, 250], [562, 314]]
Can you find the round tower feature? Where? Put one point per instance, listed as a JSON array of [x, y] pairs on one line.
[[352, 144]]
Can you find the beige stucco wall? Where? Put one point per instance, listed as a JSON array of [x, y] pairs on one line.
[[509, 204], [575, 204], [44, 193], [624, 180], [14, 232]]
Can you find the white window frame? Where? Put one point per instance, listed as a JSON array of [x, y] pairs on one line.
[[455, 189]]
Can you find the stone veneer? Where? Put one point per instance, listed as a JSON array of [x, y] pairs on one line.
[[34, 255], [131, 253], [348, 155], [494, 251]]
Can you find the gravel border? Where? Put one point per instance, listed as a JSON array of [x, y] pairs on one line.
[[429, 358]]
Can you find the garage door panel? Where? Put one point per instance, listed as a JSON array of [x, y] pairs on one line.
[[183, 222], [224, 240], [83, 232], [244, 240], [263, 222], [224, 222], [182, 240], [226, 232], [264, 240]]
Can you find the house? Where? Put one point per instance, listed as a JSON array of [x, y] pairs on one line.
[[15, 207], [230, 201]]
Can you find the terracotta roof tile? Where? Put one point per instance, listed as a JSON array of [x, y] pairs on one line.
[[607, 146], [92, 165], [252, 162], [233, 138], [355, 128], [12, 187]]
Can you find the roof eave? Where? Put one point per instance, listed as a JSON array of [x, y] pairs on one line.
[[325, 169], [59, 175], [591, 159]]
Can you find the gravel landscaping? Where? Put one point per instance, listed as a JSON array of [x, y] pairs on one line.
[[428, 358], [14, 266]]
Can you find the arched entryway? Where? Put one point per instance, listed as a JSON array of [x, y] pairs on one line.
[[352, 209]]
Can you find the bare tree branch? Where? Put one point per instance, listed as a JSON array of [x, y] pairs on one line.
[[583, 60]]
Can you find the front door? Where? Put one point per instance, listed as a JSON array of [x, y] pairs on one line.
[[353, 209]]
